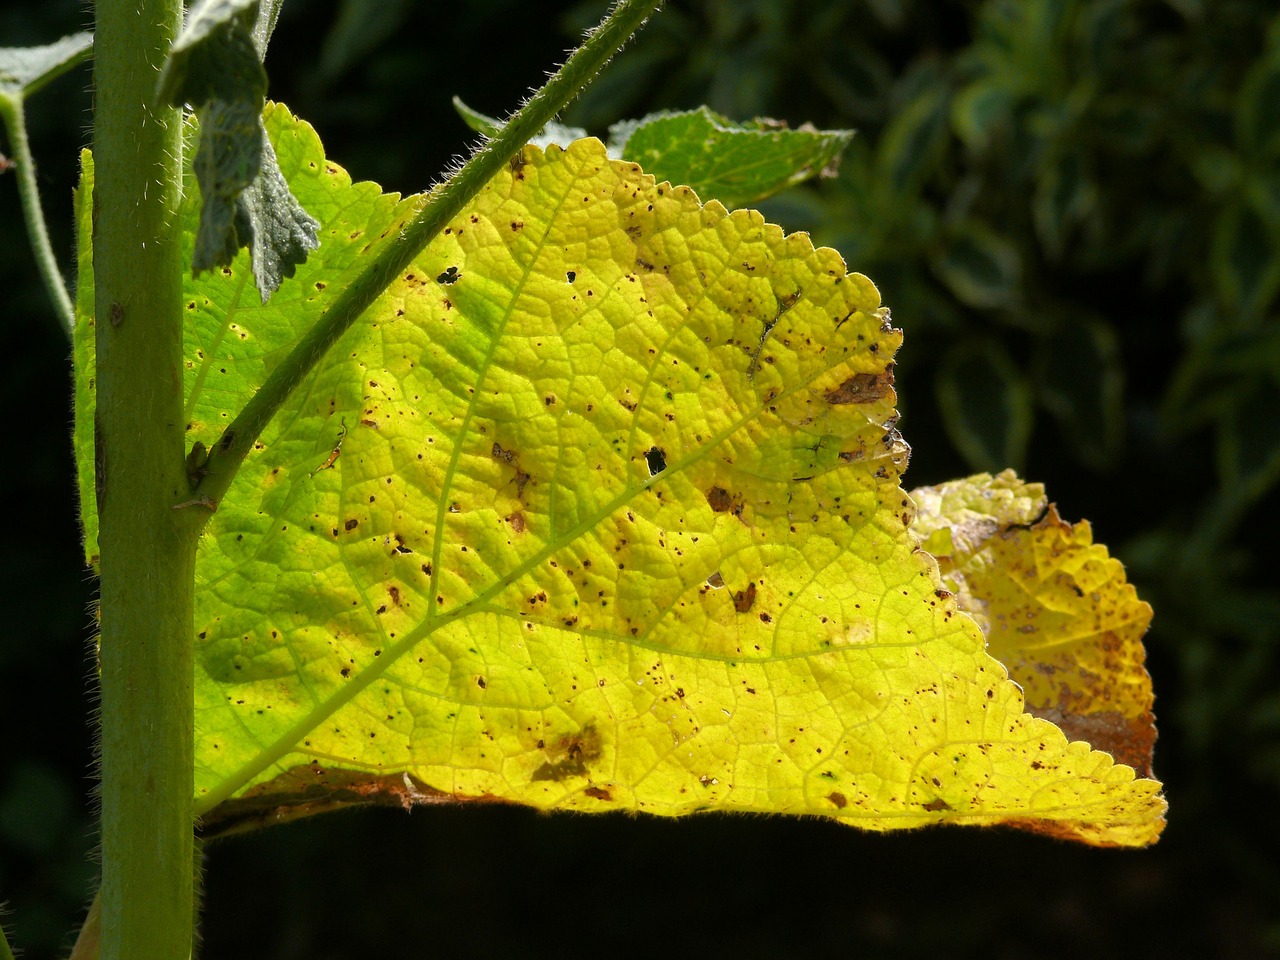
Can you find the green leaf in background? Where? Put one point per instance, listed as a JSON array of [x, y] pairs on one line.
[[982, 268], [24, 70], [1065, 197], [1249, 443], [1257, 118], [215, 65], [1080, 380], [980, 109], [1246, 257], [356, 31], [986, 404], [735, 163], [913, 140]]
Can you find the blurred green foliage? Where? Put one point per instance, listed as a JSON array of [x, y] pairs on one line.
[[1073, 208]]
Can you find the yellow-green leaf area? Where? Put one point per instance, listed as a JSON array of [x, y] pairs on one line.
[[84, 349], [601, 511], [231, 339], [1056, 608]]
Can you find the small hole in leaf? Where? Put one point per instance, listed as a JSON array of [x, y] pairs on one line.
[[656, 459]]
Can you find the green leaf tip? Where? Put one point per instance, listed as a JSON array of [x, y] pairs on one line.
[[552, 133], [477, 121], [215, 65]]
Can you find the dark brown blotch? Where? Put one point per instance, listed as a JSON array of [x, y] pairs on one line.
[[569, 756], [862, 388]]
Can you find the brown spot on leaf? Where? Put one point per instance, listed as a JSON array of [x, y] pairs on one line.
[[719, 500], [862, 388], [503, 455], [743, 599], [933, 806], [600, 793], [839, 799], [569, 756]]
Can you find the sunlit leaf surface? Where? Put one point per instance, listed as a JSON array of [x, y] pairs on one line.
[[1055, 607], [600, 510]]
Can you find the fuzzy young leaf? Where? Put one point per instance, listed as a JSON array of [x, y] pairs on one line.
[[216, 66], [599, 511]]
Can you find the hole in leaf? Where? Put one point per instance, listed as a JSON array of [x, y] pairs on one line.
[[656, 459]]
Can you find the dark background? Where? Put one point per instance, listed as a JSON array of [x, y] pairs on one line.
[[1073, 208]]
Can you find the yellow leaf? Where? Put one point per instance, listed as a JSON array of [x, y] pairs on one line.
[[1055, 607], [601, 511]]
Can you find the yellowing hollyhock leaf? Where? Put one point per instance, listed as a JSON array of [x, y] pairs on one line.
[[1055, 607], [599, 510]]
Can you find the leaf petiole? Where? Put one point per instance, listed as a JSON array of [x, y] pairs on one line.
[[24, 166]]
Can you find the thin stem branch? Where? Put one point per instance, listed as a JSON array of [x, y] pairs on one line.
[[29, 191], [600, 45]]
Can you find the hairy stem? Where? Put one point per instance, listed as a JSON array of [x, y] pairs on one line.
[[29, 191], [147, 549], [599, 46]]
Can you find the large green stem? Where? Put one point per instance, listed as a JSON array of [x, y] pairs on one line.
[[147, 548], [600, 45]]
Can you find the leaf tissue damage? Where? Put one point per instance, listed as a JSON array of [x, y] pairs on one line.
[[1054, 606], [617, 524]]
